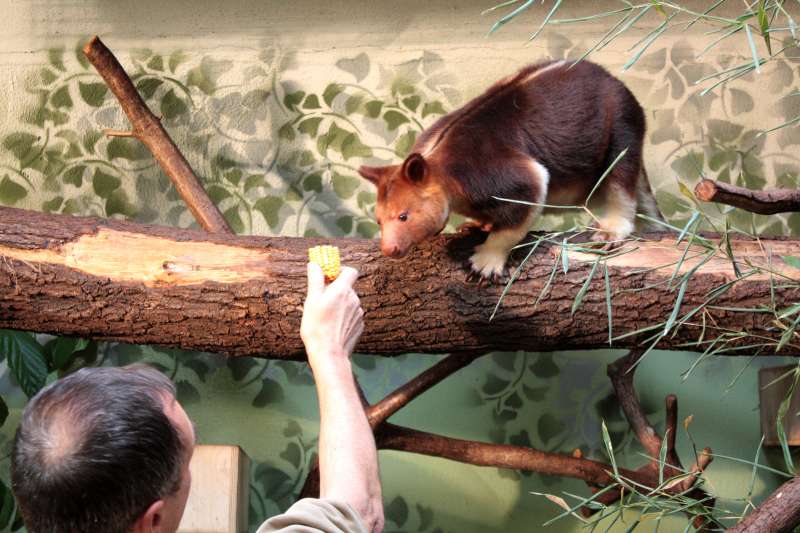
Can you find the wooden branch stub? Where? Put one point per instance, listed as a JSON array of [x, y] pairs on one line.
[[766, 202], [148, 129]]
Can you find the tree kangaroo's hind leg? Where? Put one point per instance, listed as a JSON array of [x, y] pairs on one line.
[[528, 181], [617, 214]]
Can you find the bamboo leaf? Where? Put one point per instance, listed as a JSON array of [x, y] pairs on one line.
[[547, 18], [753, 50], [650, 39], [782, 411], [514, 277], [658, 7], [547, 284], [763, 23], [662, 457], [608, 304], [606, 173], [685, 229], [609, 448], [584, 287], [507, 18], [791, 260], [677, 307]]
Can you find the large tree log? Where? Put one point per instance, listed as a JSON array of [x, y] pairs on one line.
[[121, 281]]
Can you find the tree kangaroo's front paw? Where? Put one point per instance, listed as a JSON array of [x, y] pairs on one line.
[[488, 263], [474, 225]]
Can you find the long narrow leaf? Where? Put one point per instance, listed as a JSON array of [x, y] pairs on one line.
[[514, 277], [763, 23], [548, 283], [584, 287], [608, 303], [546, 20], [753, 50], [649, 40], [609, 447], [606, 173], [507, 18], [677, 307], [782, 411]]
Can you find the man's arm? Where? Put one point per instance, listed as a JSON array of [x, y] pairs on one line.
[[332, 324]]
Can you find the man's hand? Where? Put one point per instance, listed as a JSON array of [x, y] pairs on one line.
[[332, 317]]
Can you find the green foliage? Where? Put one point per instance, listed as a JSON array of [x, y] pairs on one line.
[[25, 358]]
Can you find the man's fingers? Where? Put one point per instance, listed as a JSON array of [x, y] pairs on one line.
[[316, 279], [347, 278]]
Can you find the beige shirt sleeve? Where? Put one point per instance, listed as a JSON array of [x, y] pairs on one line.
[[315, 516]]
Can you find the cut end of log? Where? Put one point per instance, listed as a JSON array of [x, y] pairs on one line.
[[705, 190], [90, 46]]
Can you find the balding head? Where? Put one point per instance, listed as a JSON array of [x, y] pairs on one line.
[[95, 449]]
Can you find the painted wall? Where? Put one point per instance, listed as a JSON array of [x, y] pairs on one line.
[[276, 104]]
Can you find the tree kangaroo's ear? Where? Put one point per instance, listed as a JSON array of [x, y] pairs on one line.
[[374, 174], [415, 168]]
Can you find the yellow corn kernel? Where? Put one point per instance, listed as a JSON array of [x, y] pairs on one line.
[[327, 257]]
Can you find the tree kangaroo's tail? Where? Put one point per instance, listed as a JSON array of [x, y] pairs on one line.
[[646, 202]]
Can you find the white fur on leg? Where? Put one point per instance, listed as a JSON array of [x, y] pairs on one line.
[[619, 214], [489, 259]]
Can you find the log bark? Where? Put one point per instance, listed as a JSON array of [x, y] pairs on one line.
[[115, 280], [779, 513]]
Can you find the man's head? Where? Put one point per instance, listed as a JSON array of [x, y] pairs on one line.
[[104, 450]]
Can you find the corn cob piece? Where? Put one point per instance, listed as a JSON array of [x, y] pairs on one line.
[[327, 257]]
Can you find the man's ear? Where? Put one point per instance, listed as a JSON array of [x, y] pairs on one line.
[[415, 168], [373, 174], [152, 520]]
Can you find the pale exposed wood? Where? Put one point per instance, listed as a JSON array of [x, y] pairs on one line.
[[771, 395], [121, 256], [665, 258], [219, 497]]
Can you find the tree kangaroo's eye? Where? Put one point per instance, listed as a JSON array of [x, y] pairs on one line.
[[403, 216]]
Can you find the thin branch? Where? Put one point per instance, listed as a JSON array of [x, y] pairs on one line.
[[148, 128], [392, 437], [396, 400], [118, 133], [766, 202], [377, 414], [621, 373], [698, 468]]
